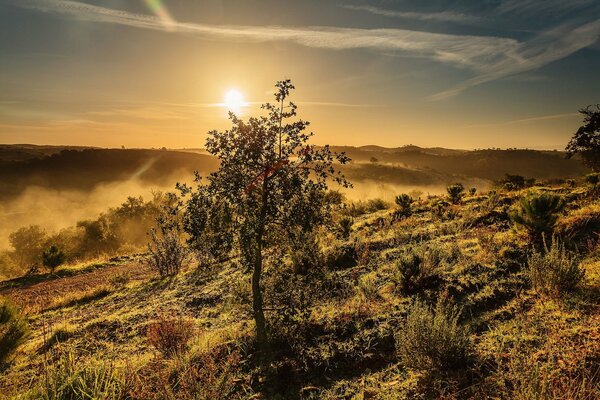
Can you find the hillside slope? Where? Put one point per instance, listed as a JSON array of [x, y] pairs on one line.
[[337, 329]]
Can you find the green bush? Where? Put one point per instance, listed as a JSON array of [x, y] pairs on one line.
[[13, 329], [538, 214], [455, 193], [52, 257], [554, 272], [433, 340]]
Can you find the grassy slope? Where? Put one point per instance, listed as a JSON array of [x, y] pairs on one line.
[[525, 345]]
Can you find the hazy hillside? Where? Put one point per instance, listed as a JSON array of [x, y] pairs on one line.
[[55, 186]]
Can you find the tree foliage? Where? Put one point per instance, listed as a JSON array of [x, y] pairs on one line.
[[586, 141], [270, 187]]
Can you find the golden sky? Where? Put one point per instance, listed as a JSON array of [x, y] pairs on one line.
[[153, 73]]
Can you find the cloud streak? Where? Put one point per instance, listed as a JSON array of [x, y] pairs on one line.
[[490, 57], [442, 16], [546, 7]]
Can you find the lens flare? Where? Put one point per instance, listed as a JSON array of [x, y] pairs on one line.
[[160, 10]]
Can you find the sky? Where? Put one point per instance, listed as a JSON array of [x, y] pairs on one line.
[[154, 73]]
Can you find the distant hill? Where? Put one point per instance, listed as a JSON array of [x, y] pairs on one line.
[[484, 164], [82, 168]]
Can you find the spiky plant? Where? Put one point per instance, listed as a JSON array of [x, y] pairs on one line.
[[537, 213], [52, 257], [455, 193], [472, 191], [404, 201]]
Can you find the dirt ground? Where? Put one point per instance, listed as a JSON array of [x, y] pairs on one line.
[[36, 295]]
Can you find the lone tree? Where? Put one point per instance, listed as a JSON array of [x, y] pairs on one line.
[[271, 186], [586, 140]]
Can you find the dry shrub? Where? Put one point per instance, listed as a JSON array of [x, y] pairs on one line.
[[170, 336], [167, 253], [555, 271], [433, 340], [211, 375]]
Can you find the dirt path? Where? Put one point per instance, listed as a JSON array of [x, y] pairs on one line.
[[39, 295]]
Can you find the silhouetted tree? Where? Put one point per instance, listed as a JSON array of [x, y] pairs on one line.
[[271, 182], [586, 140]]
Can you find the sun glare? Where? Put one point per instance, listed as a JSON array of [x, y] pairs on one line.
[[234, 101]]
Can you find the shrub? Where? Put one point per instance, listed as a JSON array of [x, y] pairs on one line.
[[455, 192], [404, 202], [344, 227], [167, 253], [433, 340], [439, 208], [538, 214], [472, 191], [514, 182], [13, 329], [580, 227], [170, 336], [306, 254], [340, 257], [367, 286], [52, 257], [374, 205], [554, 272], [593, 178], [417, 268]]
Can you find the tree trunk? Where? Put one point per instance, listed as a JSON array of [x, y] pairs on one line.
[[257, 299]]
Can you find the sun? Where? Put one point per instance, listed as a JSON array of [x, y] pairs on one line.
[[234, 101]]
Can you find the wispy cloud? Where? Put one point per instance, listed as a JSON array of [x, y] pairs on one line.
[[441, 16], [490, 57], [526, 120], [543, 6], [547, 47]]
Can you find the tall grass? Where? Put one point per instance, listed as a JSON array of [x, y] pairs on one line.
[[71, 379], [13, 329]]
